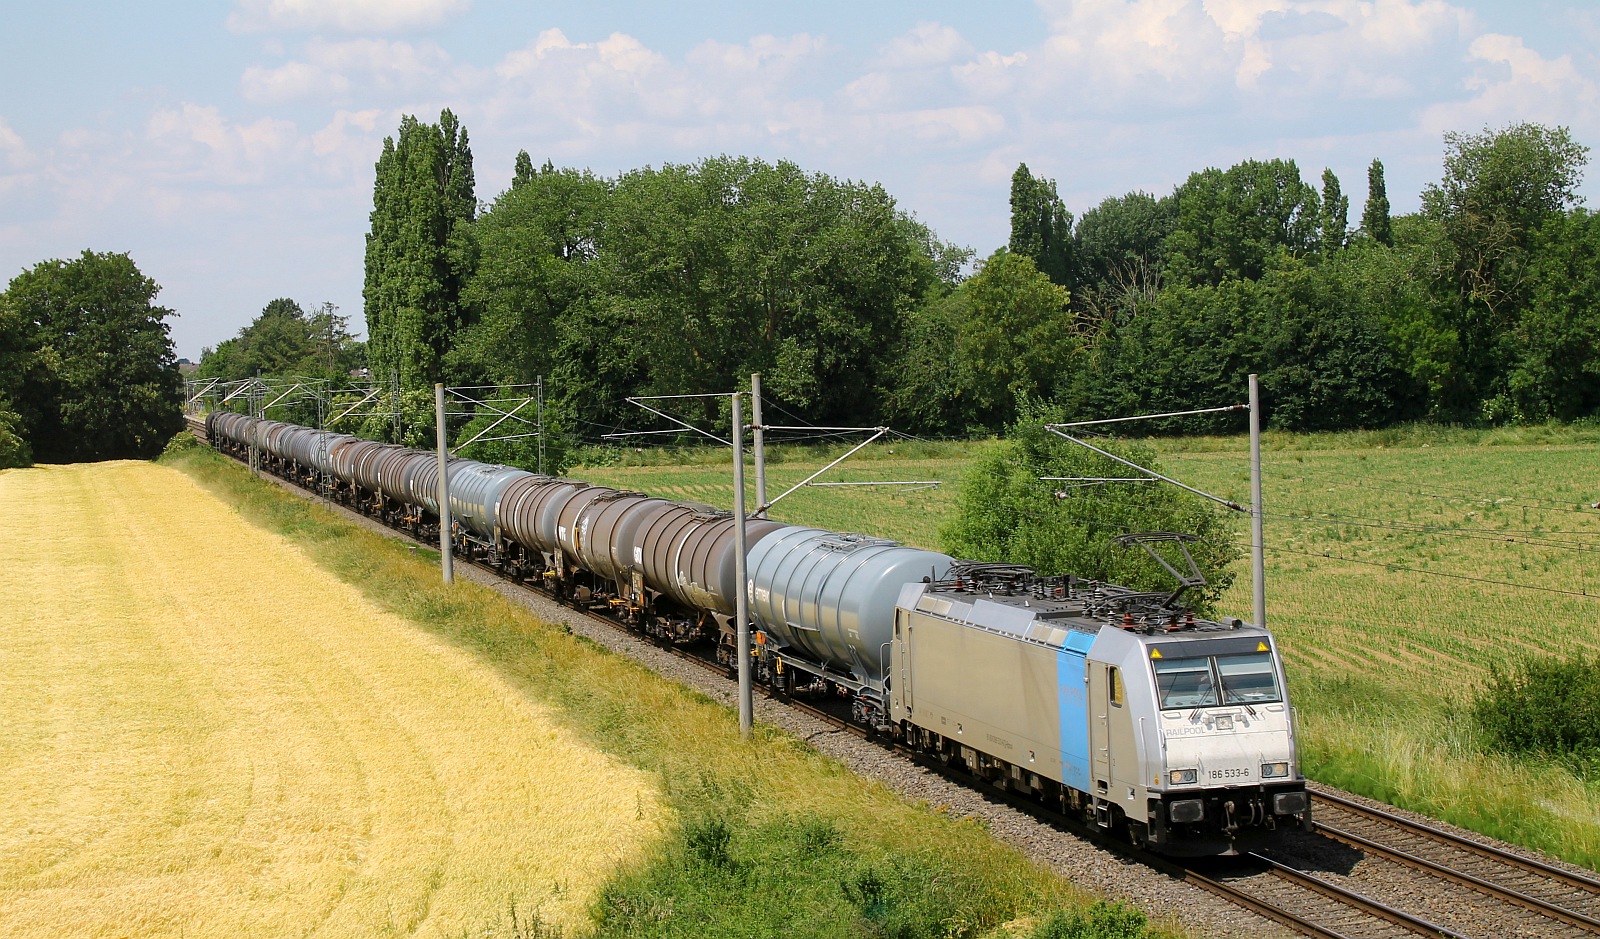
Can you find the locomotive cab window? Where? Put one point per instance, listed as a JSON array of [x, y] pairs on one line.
[[1248, 678], [1114, 682], [1209, 680], [1186, 683]]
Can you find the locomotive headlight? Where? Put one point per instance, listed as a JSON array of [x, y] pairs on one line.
[[1274, 770], [1183, 777]]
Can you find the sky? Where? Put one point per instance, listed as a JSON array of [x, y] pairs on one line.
[[229, 149]]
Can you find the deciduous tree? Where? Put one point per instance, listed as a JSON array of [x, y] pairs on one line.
[[1007, 513], [1041, 226], [1335, 213], [1231, 222], [100, 379]]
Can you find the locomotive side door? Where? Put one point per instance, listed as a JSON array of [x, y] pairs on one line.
[[1100, 686]]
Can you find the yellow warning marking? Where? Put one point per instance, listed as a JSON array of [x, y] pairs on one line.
[[1155, 653], [1262, 647]]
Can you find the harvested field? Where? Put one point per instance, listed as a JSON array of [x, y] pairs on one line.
[[183, 754]]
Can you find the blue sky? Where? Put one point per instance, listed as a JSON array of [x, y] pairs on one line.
[[229, 148]]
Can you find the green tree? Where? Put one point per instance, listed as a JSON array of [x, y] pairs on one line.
[[1375, 214], [16, 361], [732, 265], [101, 381], [1320, 347], [1118, 244], [1556, 373], [537, 245], [522, 172], [1014, 337], [1230, 223], [1315, 332], [419, 250], [1041, 227], [1006, 513], [285, 340], [1335, 213], [1499, 188]]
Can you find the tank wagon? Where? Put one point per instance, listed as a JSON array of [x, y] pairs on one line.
[[1103, 702]]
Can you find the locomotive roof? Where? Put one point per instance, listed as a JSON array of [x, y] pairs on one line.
[[1065, 612]]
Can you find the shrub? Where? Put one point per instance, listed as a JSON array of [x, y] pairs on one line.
[[14, 449], [1100, 920], [180, 442], [1542, 705]]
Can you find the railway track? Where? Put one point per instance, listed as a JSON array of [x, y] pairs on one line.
[[1304, 885]]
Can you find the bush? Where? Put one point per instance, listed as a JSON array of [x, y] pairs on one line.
[[181, 441], [1100, 920], [1543, 705], [14, 449]]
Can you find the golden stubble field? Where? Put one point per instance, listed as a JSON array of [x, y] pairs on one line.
[[203, 734]]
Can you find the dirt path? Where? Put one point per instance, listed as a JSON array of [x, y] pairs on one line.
[[202, 734]]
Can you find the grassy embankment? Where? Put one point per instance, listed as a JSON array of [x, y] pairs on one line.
[[1383, 661], [204, 734], [772, 838]]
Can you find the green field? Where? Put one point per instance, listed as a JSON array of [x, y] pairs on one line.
[[1385, 650]]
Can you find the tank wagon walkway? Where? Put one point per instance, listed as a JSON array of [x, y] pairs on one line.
[[203, 734]]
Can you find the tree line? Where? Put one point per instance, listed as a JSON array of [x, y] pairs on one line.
[[682, 279]]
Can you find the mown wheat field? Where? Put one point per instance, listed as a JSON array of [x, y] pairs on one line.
[[203, 734], [1385, 661]]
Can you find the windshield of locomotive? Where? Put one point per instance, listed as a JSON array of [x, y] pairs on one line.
[[1209, 680]]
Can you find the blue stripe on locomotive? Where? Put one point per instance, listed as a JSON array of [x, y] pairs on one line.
[[1072, 692]]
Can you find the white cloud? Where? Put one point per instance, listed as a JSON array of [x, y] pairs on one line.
[[333, 70], [926, 45], [291, 81], [1188, 51], [14, 152], [1515, 83], [765, 54], [198, 142], [350, 16]]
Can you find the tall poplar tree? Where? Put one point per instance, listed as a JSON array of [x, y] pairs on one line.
[[1375, 214], [418, 251], [522, 174], [1041, 227], [1335, 212]]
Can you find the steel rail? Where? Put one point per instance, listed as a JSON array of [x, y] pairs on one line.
[[1489, 888], [1550, 871], [1350, 898]]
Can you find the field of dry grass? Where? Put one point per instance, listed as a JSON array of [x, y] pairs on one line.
[[181, 755]]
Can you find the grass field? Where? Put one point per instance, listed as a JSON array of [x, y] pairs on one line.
[[769, 838], [1384, 660], [182, 756]]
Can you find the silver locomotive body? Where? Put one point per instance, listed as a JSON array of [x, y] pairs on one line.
[[1176, 732]]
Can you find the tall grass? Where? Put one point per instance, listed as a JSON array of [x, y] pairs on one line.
[[775, 838]]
